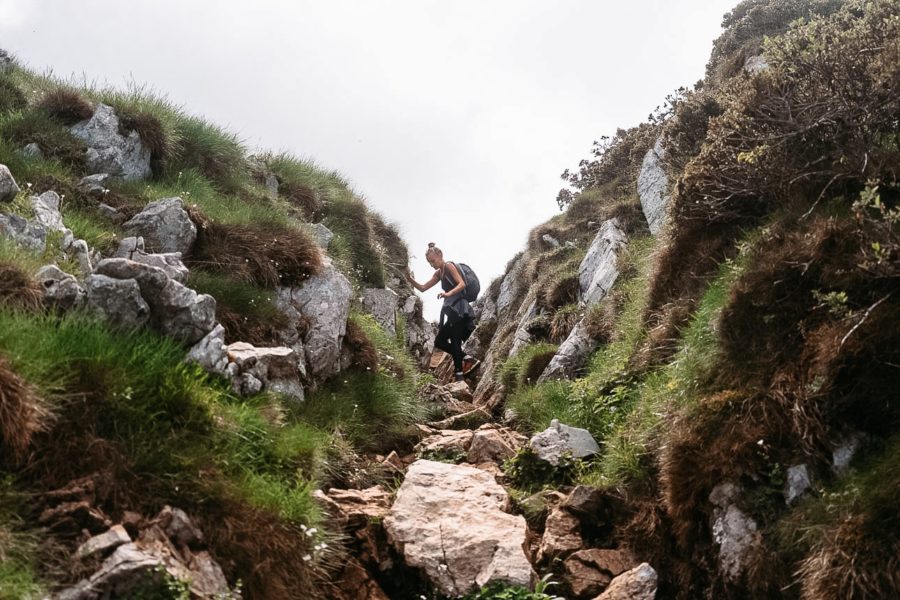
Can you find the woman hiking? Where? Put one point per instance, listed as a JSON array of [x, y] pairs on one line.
[[457, 317]]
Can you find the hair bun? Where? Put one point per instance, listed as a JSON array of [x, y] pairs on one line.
[[431, 244]]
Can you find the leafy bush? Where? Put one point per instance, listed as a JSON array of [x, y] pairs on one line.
[[502, 591], [528, 472]]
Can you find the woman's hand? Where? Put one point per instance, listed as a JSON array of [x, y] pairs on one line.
[[441, 295], [408, 274]]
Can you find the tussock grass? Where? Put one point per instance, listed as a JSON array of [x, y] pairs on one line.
[[268, 255], [217, 154], [18, 290], [22, 413], [354, 243], [66, 105]]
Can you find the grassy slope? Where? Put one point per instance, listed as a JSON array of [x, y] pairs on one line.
[[167, 432], [731, 352]]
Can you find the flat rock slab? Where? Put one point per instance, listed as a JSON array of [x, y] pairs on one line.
[[450, 521]]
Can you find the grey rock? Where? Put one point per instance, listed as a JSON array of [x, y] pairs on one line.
[[8, 186], [164, 225], [599, 269], [571, 354], [755, 64], [522, 337], [177, 311], [550, 240], [452, 522], [46, 211], [843, 455], [128, 246], [82, 253], [61, 290], [797, 483], [24, 233], [112, 538], [323, 300], [117, 300], [110, 213], [96, 186], [170, 262], [585, 500], [733, 530], [32, 151], [382, 304], [210, 352], [6, 61], [272, 185], [510, 288], [321, 234], [640, 583], [652, 186], [559, 440], [108, 150], [178, 526], [277, 369]]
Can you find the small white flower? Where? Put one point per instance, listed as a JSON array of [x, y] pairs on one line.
[[307, 557], [760, 442]]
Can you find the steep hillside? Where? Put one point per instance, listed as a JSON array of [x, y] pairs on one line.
[[133, 236], [717, 304]]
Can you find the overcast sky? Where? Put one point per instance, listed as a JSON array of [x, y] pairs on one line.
[[454, 118]]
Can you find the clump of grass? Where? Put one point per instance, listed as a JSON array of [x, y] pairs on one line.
[[22, 413], [348, 218], [18, 290], [267, 255], [11, 97], [217, 154], [54, 139], [305, 184], [66, 105], [363, 351], [563, 322], [246, 311], [536, 406], [526, 366]]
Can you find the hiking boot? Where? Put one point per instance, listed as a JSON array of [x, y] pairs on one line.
[[458, 376], [470, 364]]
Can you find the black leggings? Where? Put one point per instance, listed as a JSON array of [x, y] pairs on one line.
[[449, 339]]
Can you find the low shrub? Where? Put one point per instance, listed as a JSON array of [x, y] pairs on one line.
[[526, 471]]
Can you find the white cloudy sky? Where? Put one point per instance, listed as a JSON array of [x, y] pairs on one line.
[[454, 119]]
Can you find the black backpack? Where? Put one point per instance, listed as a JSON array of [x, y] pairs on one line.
[[473, 286]]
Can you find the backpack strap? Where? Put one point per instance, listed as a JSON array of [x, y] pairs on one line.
[[461, 274]]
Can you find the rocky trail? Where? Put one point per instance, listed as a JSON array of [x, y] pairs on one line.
[[452, 525]]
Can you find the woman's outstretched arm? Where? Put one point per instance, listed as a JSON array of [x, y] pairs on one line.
[[423, 287]]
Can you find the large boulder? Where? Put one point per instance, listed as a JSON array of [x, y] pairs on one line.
[[8, 187], [562, 535], [24, 233], [560, 440], [382, 304], [522, 336], [108, 150], [571, 354], [419, 332], [510, 288], [177, 311], [117, 300], [653, 187], [164, 225], [599, 269], [61, 290], [323, 304], [452, 522]]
